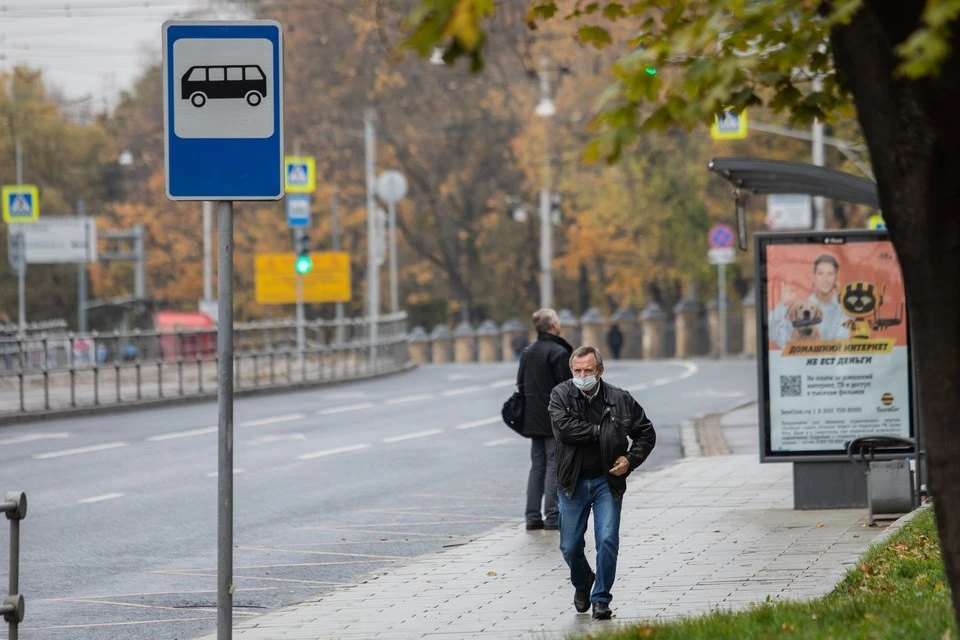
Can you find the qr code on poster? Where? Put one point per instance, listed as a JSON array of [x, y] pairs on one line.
[[790, 386]]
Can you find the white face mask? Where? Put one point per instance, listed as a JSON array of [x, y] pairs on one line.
[[585, 383]]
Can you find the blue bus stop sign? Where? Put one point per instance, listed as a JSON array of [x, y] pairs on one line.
[[223, 110]]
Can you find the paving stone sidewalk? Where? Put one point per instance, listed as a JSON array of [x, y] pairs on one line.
[[708, 532]]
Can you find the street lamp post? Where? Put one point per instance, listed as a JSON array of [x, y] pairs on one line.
[[546, 109]]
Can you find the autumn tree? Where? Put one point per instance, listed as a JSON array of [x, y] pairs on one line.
[[896, 61], [66, 160]]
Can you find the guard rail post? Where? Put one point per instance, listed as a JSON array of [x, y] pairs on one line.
[[12, 606]]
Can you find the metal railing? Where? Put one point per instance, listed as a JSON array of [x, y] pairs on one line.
[[57, 371], [12, 606]]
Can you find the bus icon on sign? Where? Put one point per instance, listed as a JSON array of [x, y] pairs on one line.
[[221, 82]]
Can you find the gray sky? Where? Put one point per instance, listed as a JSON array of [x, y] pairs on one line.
[[90, 47]]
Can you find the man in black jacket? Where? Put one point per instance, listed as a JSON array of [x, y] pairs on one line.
[[603, 434], [543, 366]]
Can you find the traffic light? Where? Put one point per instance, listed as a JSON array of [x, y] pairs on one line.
[[303, 262], [651, 71]]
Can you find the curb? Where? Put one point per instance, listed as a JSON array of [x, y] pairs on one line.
[[702, 435], [153, 403]]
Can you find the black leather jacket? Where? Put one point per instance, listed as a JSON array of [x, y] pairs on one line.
[[624, 430]]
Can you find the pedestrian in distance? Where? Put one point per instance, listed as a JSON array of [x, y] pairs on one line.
[[615, 341], [603, 434], [543, 365], [517, 344]]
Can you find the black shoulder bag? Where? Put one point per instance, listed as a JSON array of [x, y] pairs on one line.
[[512, 411]]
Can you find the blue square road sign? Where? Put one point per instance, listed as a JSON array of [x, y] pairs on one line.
[[298, 210], [223, 110]]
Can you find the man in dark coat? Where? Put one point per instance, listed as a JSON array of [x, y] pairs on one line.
[[543, 365], [603, 435]]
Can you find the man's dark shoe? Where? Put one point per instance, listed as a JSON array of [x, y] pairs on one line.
[[533, 526], [601, 611], [581, 597], [551, 527]]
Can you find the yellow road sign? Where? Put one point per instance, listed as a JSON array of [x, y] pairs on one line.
[[21, 203], [300, 174], [276, 278], [729, 126]]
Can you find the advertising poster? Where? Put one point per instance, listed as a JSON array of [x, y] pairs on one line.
[[834, 337]]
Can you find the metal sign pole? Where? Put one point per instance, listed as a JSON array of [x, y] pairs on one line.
[[335, 214], [225, 420], [22, 297], [722, 307], [300, 318], [394, 287]]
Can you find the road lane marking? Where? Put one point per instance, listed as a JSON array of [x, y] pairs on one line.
[[690, 369], [273, 420], [332, 452], [30, 437], [503, 383], [214, 474], [344, 408], [344, 395], [477, 423], [194, 574], [411, 436], [500, 441], [114, 624], [282, 437], [460, 392], [138, 606], [106, 496], [413, 398], [458, 376], [310, 552], [79, 450], [182, 434]]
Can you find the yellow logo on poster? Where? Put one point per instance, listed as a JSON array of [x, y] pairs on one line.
[[728, 125], [275, 278], [21, 203]]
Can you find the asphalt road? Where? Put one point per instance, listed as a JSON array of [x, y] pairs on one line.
[[331, 485]]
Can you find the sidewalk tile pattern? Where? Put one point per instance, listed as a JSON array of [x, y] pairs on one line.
[[706, 533]]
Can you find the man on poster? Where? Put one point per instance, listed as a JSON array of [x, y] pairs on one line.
[[817, 317]]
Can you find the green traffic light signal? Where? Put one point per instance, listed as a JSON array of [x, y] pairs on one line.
[[651, 71], [304, 264]]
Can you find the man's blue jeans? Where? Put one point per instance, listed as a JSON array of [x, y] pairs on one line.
[[574, 512]]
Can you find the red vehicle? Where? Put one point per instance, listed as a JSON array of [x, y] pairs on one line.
[[198, 335]]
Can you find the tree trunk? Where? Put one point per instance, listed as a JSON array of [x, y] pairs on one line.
[[913, 140]]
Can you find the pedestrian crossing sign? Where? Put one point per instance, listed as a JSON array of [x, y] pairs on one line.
[[21, 203], [729, 126], [300, 174]]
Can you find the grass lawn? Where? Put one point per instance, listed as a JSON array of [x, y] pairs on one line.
[[898, 591]]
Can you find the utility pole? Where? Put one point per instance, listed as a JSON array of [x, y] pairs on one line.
[[819, 218], [373, 276], [140, 275], [82, 278], [22, 276], [546, 109]]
